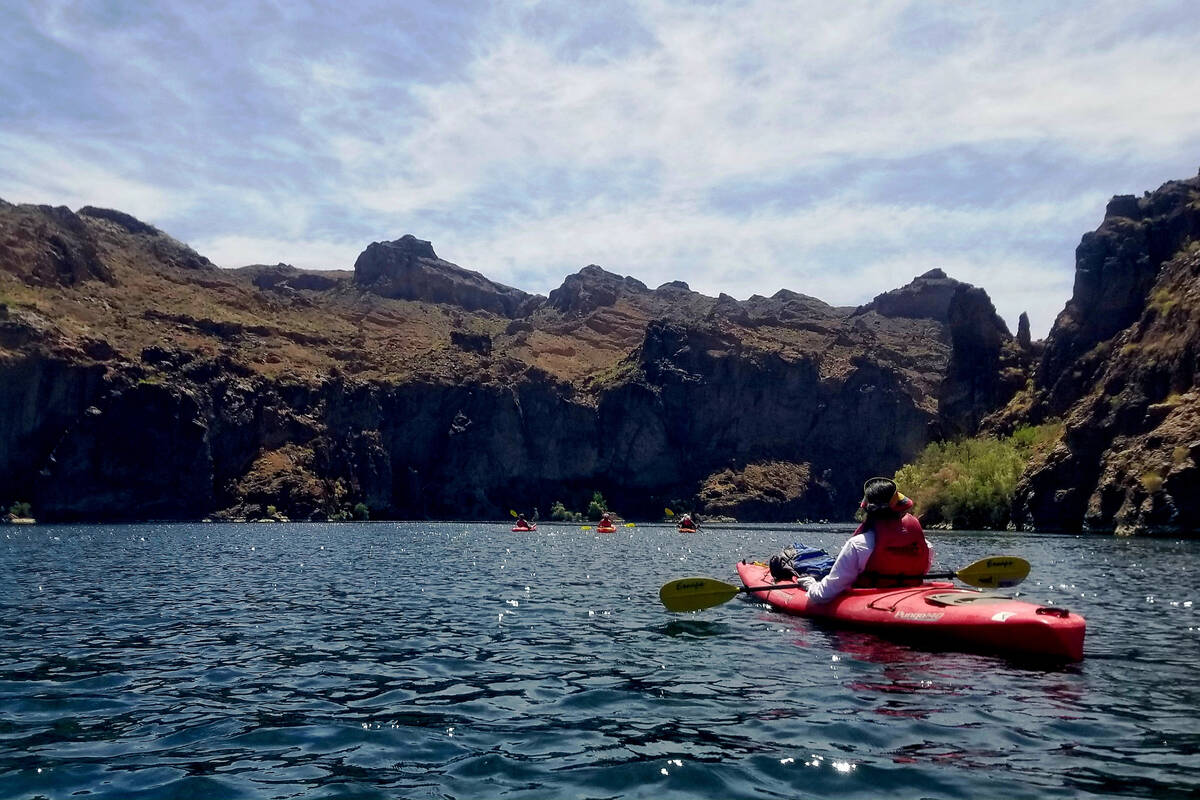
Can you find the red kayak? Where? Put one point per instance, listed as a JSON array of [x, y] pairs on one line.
[[938, 613], [523, 529], [686, 530], [606, 529]]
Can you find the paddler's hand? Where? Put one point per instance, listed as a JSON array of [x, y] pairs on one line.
[[807, 581]]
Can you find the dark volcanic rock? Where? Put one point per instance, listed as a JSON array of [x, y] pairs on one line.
[[1121, 364], [1023, 338], [44, 245], [162, 248], [592, 288], [285, 276], [408, 269], [929, 296], [127, 221], [975, 381], [1115, 268], [224, 394]]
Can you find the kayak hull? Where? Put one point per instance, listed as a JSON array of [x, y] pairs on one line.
[[605, 529], [937, 613], [687, 530], [520, 529]]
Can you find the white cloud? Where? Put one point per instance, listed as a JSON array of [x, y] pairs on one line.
[[34, 171], [241, 251], [527, 139]]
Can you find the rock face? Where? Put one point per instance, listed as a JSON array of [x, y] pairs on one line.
[[408, 269], [1116, 266], [985, 370], [591, 288], [1120, 365], [49, 246], [150, 384]]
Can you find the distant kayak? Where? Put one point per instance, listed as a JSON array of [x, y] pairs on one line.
[[938, 613], [686, 530], [606, 529], [523, 529]]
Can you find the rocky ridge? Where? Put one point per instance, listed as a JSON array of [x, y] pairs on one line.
[[1120, 366], [139, 381]]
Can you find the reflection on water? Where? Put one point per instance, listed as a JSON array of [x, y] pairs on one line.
[[371, 660]]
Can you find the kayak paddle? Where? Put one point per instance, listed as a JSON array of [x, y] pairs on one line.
[[693, 594]]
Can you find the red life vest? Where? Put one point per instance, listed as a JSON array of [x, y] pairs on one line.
[[900, 549]]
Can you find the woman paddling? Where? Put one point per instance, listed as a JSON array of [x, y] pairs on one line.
[[888, 549]]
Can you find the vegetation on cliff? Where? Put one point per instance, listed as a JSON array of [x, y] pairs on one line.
[[969, 483]]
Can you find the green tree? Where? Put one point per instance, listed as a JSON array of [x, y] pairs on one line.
[[20, 509], [560, 512], [969, 483], [597, 507], [362, 512]]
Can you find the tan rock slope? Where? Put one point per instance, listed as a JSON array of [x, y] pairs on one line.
[[139, 381]]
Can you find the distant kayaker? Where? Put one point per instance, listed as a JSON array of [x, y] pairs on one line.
[[686, 521], [522, 522], [606, 520], [890, 543]]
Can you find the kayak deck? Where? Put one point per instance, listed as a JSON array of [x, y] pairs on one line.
[[937, 612]]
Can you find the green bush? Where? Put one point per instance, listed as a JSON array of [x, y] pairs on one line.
[[969, 483], [559, 512], [20, 510], [597, 507], [362, 512]]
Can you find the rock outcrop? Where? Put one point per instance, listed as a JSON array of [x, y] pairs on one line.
[[591, 288], [48, 246], [150, 384], [408, 269], [1120, 366]]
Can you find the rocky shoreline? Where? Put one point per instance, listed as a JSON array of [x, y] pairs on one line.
[[139, 381]]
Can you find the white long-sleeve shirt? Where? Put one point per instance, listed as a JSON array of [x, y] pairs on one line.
[[849, 564]]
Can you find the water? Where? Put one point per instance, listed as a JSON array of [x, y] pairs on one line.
[[464, 661]]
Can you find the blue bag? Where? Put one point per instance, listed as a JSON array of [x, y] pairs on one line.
[[811, 561]]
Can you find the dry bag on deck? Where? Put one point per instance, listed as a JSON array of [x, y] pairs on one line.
[[799, 560]]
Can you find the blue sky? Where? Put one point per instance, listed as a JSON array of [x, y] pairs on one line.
[[746, 146]]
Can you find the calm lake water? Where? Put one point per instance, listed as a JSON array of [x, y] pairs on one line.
[[457, 660]]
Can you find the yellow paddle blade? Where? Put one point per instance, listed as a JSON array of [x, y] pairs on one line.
[[693, 594], [630, 524], [585, 527], [668, 512], [995, 572], [515, 514]]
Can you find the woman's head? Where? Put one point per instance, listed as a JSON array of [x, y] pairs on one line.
[[881, 495]]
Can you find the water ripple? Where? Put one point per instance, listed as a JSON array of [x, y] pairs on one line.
[[371, 660]]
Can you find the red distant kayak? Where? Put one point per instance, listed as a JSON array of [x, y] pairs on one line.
[[606, 529], [523, 529], [686, 530], [938, 613]]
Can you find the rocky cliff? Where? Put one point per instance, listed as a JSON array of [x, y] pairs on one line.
[[1120, 366], [138, 381]]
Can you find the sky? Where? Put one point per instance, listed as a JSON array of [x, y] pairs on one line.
[[833, 149]]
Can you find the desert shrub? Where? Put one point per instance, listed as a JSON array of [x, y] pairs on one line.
[[597, 507], [969, 483], [560, 512]]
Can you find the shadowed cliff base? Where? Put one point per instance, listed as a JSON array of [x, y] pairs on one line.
[[139, 381]]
